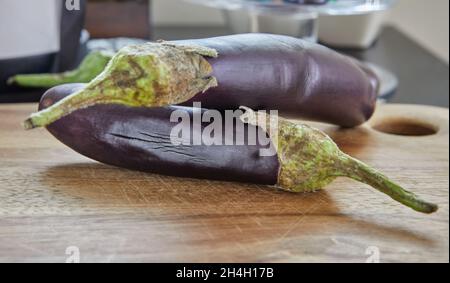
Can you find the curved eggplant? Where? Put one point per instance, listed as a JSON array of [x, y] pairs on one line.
[[305, 159], [298, 78], [263, 71]]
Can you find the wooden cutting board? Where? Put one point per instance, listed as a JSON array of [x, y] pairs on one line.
[[52, 198]]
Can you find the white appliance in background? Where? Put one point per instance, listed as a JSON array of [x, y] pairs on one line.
[[298, 25], [357, 25], [38, 36], [29, 27], [351, 31]]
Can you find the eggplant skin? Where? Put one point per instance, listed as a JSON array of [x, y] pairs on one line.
[[139, 139], [295, 77]]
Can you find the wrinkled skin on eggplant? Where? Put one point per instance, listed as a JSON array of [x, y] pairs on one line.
[[139, 139]]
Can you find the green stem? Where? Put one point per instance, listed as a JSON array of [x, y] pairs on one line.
[[44, 80], [147, 75], [83, 98], [91, 66], [42, 118], [361, 172]]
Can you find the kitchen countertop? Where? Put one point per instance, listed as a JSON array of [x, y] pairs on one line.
[[423, 78], [54, 200]]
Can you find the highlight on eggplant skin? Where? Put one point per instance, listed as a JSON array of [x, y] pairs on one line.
[[261, 71], [139, 138]]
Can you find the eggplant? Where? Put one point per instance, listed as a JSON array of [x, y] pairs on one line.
[[262, 71], [139, 138]]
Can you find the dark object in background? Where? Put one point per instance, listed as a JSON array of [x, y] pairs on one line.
[[24, 65], [114, 18], [422, 77], [71, 25]]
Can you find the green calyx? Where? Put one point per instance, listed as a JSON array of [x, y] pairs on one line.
[[147, 75], [307, 157], [91, 66], [310, 160]]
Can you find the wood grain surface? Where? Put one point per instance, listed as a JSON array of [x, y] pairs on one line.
[[52, 198]]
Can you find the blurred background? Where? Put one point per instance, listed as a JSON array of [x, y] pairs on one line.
[[427, 22], [405, 41]]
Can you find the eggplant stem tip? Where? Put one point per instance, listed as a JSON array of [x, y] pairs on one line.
[[28, 124], [11, 81]]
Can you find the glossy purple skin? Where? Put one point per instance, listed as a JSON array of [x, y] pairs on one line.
[[295, 77], [139, 139]]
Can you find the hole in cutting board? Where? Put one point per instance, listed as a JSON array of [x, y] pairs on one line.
[[405, 127]]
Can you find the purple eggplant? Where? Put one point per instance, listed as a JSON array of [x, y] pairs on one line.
[[140, 138], [295, 77], [262, 71]]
